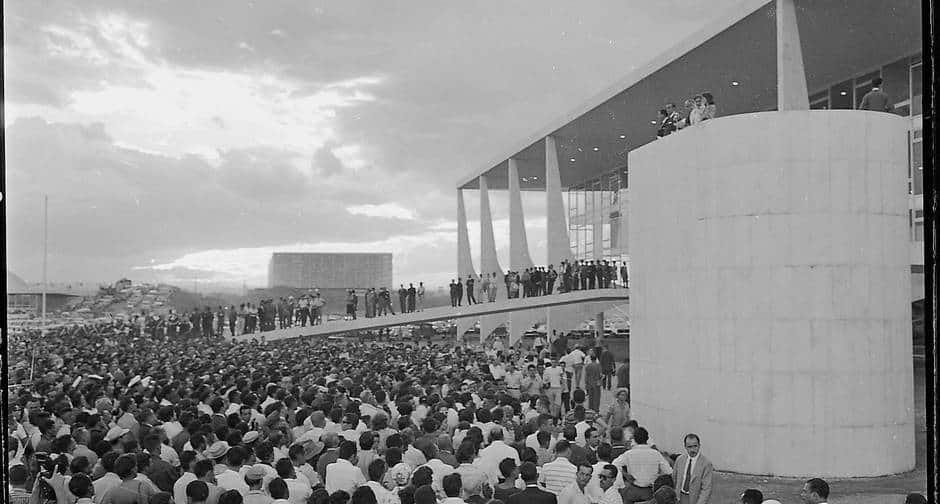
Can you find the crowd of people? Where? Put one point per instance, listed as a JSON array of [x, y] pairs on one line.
[[111, 419], [540, 281], [698, 108]]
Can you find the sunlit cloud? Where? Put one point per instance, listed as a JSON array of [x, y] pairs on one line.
[[385, 210]]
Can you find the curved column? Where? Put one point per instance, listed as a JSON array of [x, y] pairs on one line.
[[464, 260], [559, 246], [519, 258], [520, 322], [791, 77], [463, 325], [775, 300], [489, 263]]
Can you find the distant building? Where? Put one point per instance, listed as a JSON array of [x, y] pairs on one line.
[[330, 270], [23, 297]]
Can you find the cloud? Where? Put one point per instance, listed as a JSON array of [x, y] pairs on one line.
[[384, 210]]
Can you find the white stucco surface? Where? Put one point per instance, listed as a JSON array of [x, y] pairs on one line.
[[770, 282]]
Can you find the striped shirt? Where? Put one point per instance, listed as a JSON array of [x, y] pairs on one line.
[[558, 474], [590, 416]]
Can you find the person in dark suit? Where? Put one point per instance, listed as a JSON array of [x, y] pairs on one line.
[[471, 299], [459, 288], [453, 294], [693, 473], [532, 493]]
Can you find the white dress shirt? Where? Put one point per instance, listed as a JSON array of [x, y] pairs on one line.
[[342, 475], [382, 495], [298, 489], [179, 488], [611, 496], [572, 494], [644, 464], [492, 455], [438, 470]]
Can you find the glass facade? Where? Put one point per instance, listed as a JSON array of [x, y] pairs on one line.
[[597, 217], [597, 208]]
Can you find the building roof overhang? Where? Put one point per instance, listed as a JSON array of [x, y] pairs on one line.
[[839, 38]]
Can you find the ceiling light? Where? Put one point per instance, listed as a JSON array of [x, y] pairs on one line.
[[535, 178], [843, 93], [596, 149], [652, 122], [735, 83], [623, 136], [572, 160], [579, 149]]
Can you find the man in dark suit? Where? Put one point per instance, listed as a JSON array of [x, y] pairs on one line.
[[459, 288], [693, 473], [453, 294], [532, 493]]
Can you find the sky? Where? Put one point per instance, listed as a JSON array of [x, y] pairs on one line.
[[184, 142]]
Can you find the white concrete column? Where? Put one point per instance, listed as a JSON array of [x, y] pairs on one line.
[[520, 322], [791, 77], [489, 263], [464, 260], [775, 299], [559, 246], [519, 258], [463, 325], [489, 323]]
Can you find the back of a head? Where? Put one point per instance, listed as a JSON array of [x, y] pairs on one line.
[[819, 487], [529, 472], [422, 476], [915, 498], [641, 436], [363, 495], [506, 467], [197, 491], [277, 488], [562, 447], [339, 497], [452, 485], [284, 468], [230, 497], [347, 449], [665, 495], [425, 495], [752, 496], [80, 485]]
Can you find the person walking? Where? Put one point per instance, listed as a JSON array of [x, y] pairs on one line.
[[592, 380], [607, 367]]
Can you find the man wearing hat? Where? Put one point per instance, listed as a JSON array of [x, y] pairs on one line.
[[254, 478]]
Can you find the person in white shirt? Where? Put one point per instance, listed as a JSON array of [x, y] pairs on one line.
[[496, 452], [574, 360], [377, 471], [513, 380], [815, 491], [254, 478], [278, 490], [298, 487], [438, 468], [343, 474], [559, 473], [642, 464], [611, 492], [575, 493], [552, 377], [226, 475], [187, 461], [453, 489]]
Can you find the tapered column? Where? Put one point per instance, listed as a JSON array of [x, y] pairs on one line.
[[519, 258], [489, 263], [791, 77], [559, 247], [489, 323], [520, 322], [463, 325], [464, 261]]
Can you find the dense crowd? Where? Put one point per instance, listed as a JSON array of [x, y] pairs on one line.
[[113, 419], [540, 281]]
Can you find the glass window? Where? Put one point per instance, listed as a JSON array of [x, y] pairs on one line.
[[917, 90], [917, 160], [840, 96], [897, 80], [918, 231], [903, 110]]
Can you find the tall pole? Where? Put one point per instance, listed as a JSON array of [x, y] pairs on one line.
[[45, 260]]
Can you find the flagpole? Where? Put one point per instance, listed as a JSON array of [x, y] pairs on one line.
[[45, 260]]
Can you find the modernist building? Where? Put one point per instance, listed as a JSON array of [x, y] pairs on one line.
[[771, 249], [330, 270]]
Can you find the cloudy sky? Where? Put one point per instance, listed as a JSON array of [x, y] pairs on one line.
[[188, 140]]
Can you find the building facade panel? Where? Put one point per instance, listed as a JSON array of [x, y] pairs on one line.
[[330, 270]]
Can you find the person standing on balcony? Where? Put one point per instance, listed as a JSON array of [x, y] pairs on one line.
[[459, 288], [876, 99], [412, 293], [471, 298], [711, 109], [420, 296], [492, 292], [453, 294]]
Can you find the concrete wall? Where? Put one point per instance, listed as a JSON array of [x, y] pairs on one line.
[[771, 292]]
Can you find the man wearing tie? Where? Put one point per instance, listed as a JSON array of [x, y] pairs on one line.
[[693, 474]]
